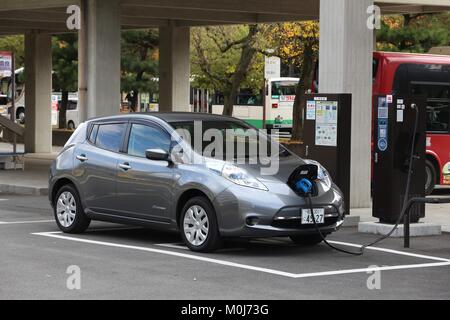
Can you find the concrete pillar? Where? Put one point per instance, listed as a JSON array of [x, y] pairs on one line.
[[174, 68], [346, 46], [103, 50], [82, 63], [38, 75]]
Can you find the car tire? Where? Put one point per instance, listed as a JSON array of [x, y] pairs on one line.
[[308, 240], [430, 177], [199, 227], [68, 211]]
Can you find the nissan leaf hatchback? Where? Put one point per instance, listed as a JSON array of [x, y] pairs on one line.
[[160, 170]]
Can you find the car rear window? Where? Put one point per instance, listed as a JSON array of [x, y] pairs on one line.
[[109, 136]]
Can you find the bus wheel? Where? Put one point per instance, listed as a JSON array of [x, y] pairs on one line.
[[430, 177], [20, 116], [71, 125]]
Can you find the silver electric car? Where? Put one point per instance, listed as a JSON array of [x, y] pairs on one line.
[[159, 170]]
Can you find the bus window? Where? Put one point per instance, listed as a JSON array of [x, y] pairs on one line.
[[4, 85], [283, 88], [246, 97], [438, 117], [431, 90], [401, 80], [375, 64]]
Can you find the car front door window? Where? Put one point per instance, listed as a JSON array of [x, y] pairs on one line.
[[144, 137]]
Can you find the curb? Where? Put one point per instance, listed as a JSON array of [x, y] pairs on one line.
[[421, 229], [23, 190], [351, 221]]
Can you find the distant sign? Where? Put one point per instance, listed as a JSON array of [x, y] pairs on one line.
[[5, 64], [272, 67]]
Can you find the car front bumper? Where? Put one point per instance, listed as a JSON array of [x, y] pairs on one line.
[[246, 212]]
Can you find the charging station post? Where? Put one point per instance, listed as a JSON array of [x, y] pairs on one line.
[[327, 136], [394, 125]]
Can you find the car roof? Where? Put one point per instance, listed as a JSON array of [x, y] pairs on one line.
[[170, 117], [189, 116]]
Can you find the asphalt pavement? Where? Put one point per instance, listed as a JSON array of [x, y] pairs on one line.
[[120, 262]]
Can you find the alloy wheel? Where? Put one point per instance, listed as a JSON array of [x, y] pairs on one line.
[[66, 209], [196, 225]]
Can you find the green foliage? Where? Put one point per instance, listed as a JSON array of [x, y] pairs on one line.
[[65, 62], [140, 60], [297, 44], [215, 55], [16, 45], [414, 33]]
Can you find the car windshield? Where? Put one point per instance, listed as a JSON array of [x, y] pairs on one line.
[[225, 140]]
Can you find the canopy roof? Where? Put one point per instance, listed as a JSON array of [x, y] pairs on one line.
[[18, 16]]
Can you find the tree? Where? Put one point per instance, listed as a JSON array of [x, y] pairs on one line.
[[297, 44], [413, 32], [139, 63], [65, 70], [224, 59], [16, 45]]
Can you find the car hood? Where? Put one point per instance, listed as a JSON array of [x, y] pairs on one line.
[[275, 171]]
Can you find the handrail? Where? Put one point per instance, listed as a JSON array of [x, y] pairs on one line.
[[12, 126]]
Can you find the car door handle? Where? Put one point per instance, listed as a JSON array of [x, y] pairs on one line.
[[82, 157], [125, 166]]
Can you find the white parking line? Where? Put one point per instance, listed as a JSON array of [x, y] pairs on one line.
[[26, 222], [180, 246], [402, 253], [444, 262]]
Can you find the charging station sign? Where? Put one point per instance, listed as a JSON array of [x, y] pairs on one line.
[[326, 123]]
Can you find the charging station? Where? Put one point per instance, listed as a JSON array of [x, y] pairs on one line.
[[327, 136], [394, 128]]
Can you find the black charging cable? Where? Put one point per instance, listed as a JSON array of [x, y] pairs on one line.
[[405, 200]]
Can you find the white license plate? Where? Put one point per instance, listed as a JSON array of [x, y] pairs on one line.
[[319, 215]]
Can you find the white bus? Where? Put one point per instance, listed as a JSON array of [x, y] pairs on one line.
[[6, 105], [5, 97], [280, 96]]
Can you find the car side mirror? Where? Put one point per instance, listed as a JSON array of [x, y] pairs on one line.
[[157, 155]]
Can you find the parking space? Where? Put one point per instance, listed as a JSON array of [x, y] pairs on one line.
[[126, 262]]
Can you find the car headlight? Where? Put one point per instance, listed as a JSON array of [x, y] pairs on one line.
[[234, 174], [241, 177]]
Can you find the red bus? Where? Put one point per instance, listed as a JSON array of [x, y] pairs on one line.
[[421, 74]]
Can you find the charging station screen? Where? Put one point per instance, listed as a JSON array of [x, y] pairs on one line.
[[383, 115]]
